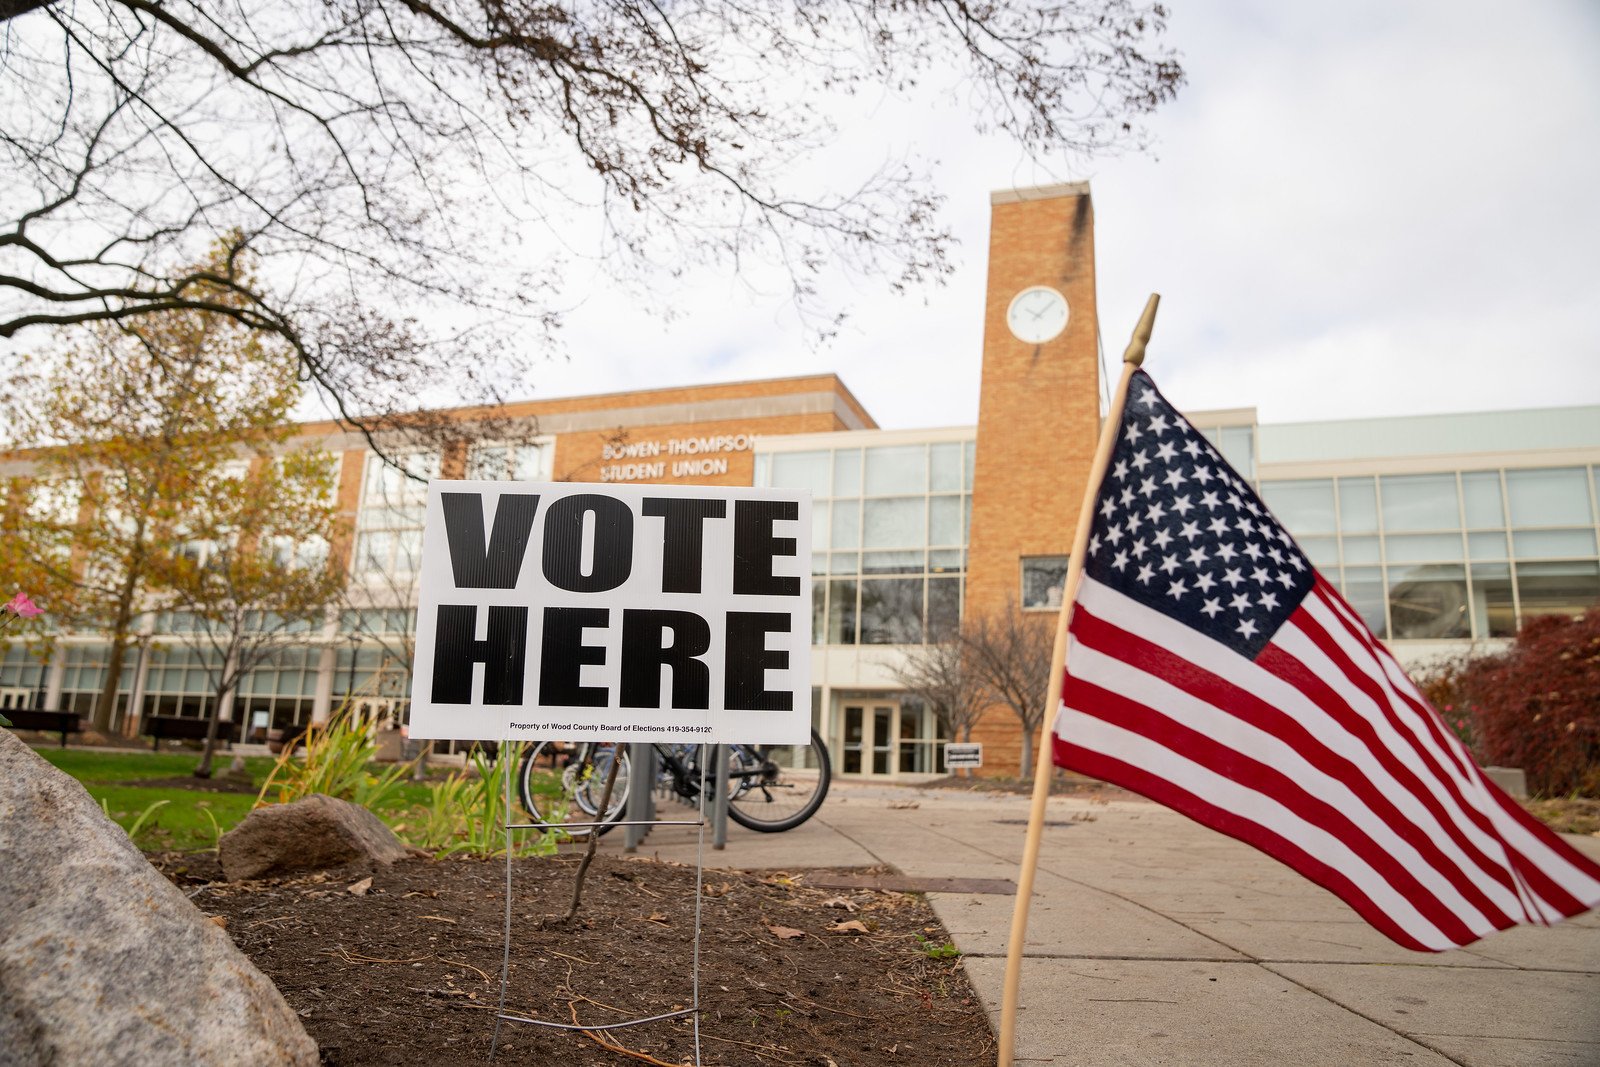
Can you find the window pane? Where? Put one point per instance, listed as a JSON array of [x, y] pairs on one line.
[[1487, 545], [897, 469], [1358, 505], [1556, 497], [819, 563], [820, 525], [944, 520], [846, 524], [844, 563], [1363, 588], [408, 554], [891, 611], [1360, 550], [1420, 502], [819, 613], [1557, 588], [902, 562], [1428, 601], [971, 460], [528, 464], [1303, 507], [1480, 499], [1421, 548], [763, 472], [1322, 551], [898, 522], [373, 551], [944, 466], [841, 613], [1552, 544], [802, 470], [847, 472], [1493, 613], [944, 608], [1237, 448], [948, 559], [1043, 578]]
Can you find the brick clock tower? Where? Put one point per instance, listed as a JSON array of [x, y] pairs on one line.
[[1038, 416]]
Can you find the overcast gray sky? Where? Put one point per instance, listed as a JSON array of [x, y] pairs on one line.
[[1362, 209]]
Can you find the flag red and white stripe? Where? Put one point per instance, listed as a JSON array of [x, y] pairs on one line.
[[1288, 726]]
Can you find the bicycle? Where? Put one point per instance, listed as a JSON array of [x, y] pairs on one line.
[[770, 787]]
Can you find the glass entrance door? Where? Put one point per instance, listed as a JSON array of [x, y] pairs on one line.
[[888, 737]]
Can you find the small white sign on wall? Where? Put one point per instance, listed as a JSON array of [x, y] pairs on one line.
[[960, 755], [583, 612]]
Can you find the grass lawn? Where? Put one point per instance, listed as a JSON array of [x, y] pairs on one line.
[[185, 821]]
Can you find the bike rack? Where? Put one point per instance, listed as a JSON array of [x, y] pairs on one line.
[[640, 817]]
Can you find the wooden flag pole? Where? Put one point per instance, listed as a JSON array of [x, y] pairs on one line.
[[1131, 361]]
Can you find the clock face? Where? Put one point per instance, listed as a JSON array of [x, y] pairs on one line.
[[1037, 314]]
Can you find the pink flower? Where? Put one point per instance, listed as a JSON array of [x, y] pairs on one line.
[[23, 605]]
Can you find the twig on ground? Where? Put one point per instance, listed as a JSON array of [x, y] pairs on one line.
[[457, 963], [616, 1046]]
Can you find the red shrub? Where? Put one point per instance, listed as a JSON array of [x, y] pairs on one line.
[[1537, 706]]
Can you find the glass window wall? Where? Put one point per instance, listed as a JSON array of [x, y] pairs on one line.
[[890, 530], [1451, 555]]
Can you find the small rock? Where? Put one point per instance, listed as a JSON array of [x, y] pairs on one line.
[[316, 833]]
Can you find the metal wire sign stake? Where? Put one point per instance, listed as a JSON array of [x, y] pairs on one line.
[[623, 614], [635, 781]]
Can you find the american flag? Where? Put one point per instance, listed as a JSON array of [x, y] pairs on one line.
[[1212, 669]]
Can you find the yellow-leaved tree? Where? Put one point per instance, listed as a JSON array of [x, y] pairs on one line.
[[132, 446]]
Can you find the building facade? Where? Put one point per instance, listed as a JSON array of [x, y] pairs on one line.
[[1444, 532]]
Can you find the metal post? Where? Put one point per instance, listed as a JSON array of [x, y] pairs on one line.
[[641, 794], [719, 810]]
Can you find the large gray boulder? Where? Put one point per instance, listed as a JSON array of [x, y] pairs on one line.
[[104, 961], [313, 834]]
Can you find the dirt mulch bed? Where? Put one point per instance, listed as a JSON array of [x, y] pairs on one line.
[[408, 972]]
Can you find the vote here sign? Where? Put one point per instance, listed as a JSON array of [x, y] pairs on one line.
[[572, 611]]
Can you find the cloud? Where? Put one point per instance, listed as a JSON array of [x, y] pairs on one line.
[[1386, 209]]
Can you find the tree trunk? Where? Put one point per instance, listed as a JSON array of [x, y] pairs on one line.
[[594, 834], [212, 724], [105, 706], [1027, 753]]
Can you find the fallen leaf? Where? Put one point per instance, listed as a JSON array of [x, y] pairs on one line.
[[904, 805], [719, 890], [220, 920], [360, 888], [438, 919], [786, 933], [657, 917], [852, 926], [840, 902]]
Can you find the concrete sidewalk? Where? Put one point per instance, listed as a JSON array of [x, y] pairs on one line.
[[1155, 941]]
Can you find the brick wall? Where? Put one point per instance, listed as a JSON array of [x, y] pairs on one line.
[[1038, 415]]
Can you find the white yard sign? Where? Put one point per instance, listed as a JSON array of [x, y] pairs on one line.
[[963, 754], [573, 611]]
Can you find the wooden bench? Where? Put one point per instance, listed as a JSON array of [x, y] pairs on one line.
[[61, 722], [174, 728]]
